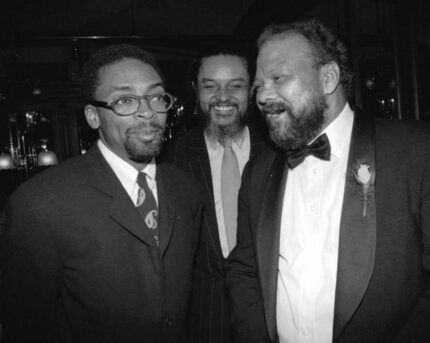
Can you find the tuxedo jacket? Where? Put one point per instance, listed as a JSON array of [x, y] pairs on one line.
[[209, 319], [79, 266], [382, 290]]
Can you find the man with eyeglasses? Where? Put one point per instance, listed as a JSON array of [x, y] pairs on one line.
[[100, 248]]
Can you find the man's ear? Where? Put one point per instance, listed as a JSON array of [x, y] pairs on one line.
[[330, 76], [195, 92], [194, 87], [92, 117]]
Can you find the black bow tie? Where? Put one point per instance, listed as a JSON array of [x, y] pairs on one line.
[[319, 148]]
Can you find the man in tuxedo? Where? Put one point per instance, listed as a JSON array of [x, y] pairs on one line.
[[215, 154], [100, 248], [333, 230]]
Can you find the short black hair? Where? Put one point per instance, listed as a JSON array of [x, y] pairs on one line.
[[110, 55], [326, 46], [226, 49]]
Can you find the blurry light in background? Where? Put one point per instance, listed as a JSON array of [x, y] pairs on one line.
[[6, 162], [46, 158], [37, 91]]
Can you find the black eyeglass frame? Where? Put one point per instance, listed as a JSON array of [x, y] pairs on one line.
[[147, 98]]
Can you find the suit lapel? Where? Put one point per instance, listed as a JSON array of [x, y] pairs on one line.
[[267, 238], [199, 164], [200, 168], [122, 209], [357, 236], [258, 141], [124, 213], [166, 208]]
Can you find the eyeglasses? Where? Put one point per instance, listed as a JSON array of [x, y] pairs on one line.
[[127, 105]]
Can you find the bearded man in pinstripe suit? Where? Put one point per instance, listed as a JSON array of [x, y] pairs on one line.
[[221, 80]]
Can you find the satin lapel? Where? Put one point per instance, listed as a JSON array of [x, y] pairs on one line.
[[267, 238], [122, 209], [357, 237], [258, 141], [166, 208]]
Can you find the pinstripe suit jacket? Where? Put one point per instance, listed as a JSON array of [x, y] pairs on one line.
[[209, 317]]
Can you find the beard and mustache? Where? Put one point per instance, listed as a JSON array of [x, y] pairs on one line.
[[300, 125], [227, 131], [140, 151]]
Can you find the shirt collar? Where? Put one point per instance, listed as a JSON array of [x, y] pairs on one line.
[[125, 172], [339, 130], [238, 141]]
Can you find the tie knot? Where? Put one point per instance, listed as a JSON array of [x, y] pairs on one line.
[[320, 148], [227, 143]]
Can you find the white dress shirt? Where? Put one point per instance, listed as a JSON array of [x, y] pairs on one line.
[[127, 174], [242, 148], [309, 240]]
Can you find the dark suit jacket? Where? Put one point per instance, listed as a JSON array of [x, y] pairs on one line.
[[209, 320], [78, 266], [382, 291]]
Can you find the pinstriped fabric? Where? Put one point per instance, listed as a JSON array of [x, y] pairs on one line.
[[209, 316]]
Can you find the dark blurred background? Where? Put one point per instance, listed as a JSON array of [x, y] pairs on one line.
[[44, 44]]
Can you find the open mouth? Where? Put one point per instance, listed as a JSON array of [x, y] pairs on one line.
[[273, 109], [224, 109], [273, 113]]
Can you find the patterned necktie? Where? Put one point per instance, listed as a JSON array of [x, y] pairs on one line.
[[319, 148], [147, 206], [230, 183]]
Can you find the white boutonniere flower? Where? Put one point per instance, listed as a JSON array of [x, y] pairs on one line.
[[365, 177]]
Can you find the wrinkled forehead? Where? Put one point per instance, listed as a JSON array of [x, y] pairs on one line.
[[282, 50]]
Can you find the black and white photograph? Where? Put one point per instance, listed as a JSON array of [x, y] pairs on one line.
[[215, 171]]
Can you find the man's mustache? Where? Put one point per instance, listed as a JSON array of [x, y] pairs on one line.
[[223, 103], [273, 108], [144, 126]]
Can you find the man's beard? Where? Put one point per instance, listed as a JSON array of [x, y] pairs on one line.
[[223, 132], [303, 125], [143, 152]]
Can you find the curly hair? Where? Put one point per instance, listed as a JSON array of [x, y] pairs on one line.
[[107, 56], [325, 44]]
